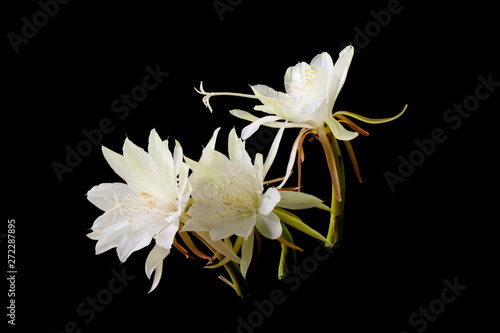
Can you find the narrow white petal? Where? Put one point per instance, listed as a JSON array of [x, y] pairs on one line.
[[159, 151], [269, 225], [117, 163], [177, 157], [246, 253], [207, 154], [273, 150], [291, 160], [253, 127], [157, 277], [155, 257], [297, 200], [339, 73]]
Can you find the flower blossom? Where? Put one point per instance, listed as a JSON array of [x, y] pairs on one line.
[[308, 101], [230, 199], [147, 207]]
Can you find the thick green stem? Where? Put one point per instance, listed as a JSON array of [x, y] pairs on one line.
[[336, 218], [239, 282]]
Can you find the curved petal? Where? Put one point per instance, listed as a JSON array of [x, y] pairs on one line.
[[269, 225], [158, 150], [155, 257], [276, 124], [291, 160], [298, 200], [195, 224], [246, 253], [339, 73], [117, 162], [132, 242], [268, 201], [240, 227], [322, 61], [261, 90], [273, 150], [339, 131], [165, 238], [219, 246], [107, 195], [107, 241], [371, 120], [253, 127], [158, 273]]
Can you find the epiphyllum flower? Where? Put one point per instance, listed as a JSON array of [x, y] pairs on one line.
[[311, 92], [148, 206], [229, 196]]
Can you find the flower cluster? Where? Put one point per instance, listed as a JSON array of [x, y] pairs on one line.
[[220, 203]]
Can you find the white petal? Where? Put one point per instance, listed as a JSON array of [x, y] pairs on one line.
[[220, 246], [269, 225], [177, 157], [158, 273], [246, 253], [273, 151], [268, 201], [110, 221], [166, 237], [291, 160], [105, 196], [195, 224], [253, 127], [339, 73], [132, 242], [322, 61], [109, 240], [240, 227], [159, 151], [207, 154], [297, 200], [236, 149], [117, 163], [265, 91], [154, 258], [259, 166], [339, 131], [288, 79]]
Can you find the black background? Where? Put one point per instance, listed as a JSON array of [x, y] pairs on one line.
[[398, 246]]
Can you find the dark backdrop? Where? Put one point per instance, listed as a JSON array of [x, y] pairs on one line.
[[400, 245]]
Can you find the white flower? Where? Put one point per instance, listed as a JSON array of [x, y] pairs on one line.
[[311, 91], [310, 94], [147, 207], [229, 196]]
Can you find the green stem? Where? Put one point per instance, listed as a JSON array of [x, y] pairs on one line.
[[337, 216], [288, 256], [240, 283]]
